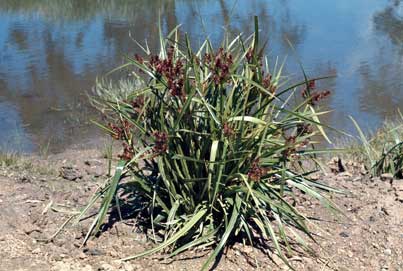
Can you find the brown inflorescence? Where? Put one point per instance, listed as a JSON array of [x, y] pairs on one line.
[[173, 71], [117, 132], [228, 130], [268, 84], [219, 65], [314, 96], [138, 58], [308, 88], [137, 104], [304, 129], [249, 55], [127, 152], [161, 142], [256, 172], [317, 96], [290, 145], [121, 131]]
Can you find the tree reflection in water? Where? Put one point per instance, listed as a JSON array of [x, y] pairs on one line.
[[382, 84]]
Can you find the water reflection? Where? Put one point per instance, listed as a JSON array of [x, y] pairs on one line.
[[381, 92], [52, 50], [390, 22]]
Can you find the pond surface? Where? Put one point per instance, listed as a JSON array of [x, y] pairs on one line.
[[51, 51]]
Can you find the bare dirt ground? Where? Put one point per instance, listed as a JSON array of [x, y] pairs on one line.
[[35, 201]]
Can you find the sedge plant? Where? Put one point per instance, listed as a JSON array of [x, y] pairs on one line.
[[214, 147]]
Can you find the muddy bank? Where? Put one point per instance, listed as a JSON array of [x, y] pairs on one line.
[[37, 196]]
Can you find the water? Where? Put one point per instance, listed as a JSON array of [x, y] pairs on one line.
[[51, 51]]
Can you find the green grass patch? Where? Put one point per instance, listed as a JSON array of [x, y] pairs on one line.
[[380, 151]]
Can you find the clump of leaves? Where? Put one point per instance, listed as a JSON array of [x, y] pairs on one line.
[[8, 159], [211, 143], [383, 151]]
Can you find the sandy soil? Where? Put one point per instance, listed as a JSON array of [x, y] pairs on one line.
[[35, 201]]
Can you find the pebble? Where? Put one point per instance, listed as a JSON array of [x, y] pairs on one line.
[[127, 266], [344, 234], [36, 251], [106, 267], [70, 173], [82, 255], [113, 253], [388, 252], [93, 252], [387, 177]]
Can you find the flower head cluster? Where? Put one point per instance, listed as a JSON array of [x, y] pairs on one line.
[[127, 152], [304, 129], [256, 172], [138, 104], [268, 83], [249, 55], [314, 96], [161, 142], [172, 70], [219, 65], [138, 58], [228, 130], [120, 131], [289, 146]]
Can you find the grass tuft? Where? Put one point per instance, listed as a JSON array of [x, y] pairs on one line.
[[8, 159], [382, 151]]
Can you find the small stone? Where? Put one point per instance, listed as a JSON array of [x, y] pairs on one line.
[[127, 266], [36, 251], [82, 255], [106, 267], [399, 193], [93, 252], [113, 253], [70, 173], [95, 171], [93, 162], [248, 249], [345, 174], [387, 252], [387, 177], [137, 267], [344, 234]]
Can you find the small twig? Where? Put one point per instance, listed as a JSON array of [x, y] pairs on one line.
[[58, 230], [48, 206]]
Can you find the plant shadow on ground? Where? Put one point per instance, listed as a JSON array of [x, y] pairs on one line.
[[131, 212]]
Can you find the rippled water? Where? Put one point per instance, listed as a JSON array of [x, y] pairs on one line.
[[52, 50]]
